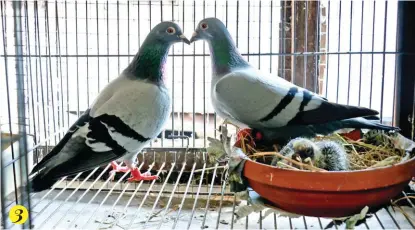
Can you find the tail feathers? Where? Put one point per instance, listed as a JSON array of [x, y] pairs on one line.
[[330, 112], [362, 123], [39, 183]]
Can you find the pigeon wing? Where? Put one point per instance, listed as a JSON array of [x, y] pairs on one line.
[[262, 101]]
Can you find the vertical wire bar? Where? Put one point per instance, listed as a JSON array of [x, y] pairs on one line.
[[48, 70], [291, 223], [214, 113], [138, 24], [283, 21], [87, 52], [270, 37], [305, 222], [328, 48], [182, 115], [172, 81], [37, 32], [98, 53], [383, 63], [24, 170], [31, 77], [305, 43], [67, 62], [237, 23], [338, 55], [197, 196], [37, 82], [247, 220], [259, 35], [373, 47], [226, 13], [275, 222], [249, 26], [317, 58], [233, 210], [163, 133], [59, 69], [221, 200], [395, 75], [361, 49], [128, 30], [204, 84], [108, 43], [350, 50], [194, 79], [293, 40], [118, 35], [161, 11], [209, 194], [4, 29], [77, 58], [319, 220]]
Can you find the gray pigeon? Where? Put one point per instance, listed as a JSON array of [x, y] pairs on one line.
[[250, 98], [125, 116]]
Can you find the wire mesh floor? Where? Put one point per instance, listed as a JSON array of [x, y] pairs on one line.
[[181, 199]]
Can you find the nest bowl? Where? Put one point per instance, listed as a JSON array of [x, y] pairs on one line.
[[328, 194]]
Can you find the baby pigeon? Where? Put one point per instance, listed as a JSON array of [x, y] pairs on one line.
[[325, 154]]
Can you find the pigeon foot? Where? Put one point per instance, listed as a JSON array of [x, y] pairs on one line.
[[117, 168], [137, 176]]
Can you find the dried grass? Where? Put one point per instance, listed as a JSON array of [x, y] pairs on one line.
[[362, 154]]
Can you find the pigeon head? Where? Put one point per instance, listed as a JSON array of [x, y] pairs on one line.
[[150, 61], [223, 51], [168, 32], [304, 148], [208, 29]]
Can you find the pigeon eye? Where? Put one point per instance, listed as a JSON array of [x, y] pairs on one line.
[[204, 26], [170, 30]]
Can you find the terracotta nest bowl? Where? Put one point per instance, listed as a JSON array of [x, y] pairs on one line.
[[328, 194]]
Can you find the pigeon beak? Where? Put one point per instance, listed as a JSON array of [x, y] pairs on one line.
[[195, 37], [184, 39]]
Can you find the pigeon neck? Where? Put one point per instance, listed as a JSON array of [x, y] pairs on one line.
[[225, 56], [150, 62]]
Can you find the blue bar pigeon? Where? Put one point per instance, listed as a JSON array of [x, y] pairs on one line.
[[250, 98], [126, 116]]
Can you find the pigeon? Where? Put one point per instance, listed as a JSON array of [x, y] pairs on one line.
[[250, 98], [125, 117]]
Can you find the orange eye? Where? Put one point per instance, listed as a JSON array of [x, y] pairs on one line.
[[204, 26], [170, 30]]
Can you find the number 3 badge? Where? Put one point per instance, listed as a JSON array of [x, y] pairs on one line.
[[18, 214]]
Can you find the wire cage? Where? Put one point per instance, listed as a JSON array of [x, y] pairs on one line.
[[58, 55]]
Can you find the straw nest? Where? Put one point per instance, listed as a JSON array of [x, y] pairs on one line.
[[374, 149]]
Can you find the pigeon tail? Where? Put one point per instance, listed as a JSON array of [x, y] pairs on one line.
[[40, 183], [364, 123], [328, 112]]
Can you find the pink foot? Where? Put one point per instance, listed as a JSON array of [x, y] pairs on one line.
[[117, 168], [137, 176]]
